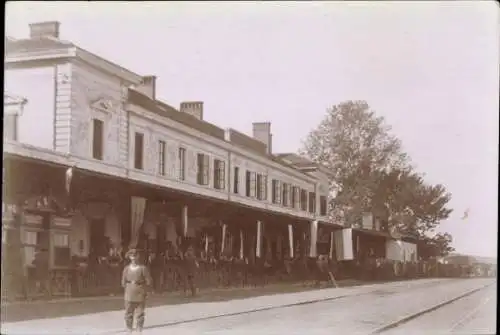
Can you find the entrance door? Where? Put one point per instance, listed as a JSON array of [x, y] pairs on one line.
[[98, 242], [161, 244]]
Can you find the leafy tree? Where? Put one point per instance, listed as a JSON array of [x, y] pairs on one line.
[[371, 173], [408, 203], [438, 245], [354, 144]]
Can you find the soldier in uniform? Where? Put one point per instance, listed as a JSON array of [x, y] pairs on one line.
[[191, 266], [135, 280]]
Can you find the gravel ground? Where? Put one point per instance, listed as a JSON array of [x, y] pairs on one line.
[[358, 314], [474, 314], [349, 310]]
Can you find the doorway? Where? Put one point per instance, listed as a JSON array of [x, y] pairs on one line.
[[98, 242]]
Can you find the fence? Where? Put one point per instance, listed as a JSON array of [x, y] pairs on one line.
[[106, 279]]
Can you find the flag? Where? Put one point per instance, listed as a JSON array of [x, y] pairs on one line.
[[466, 215]]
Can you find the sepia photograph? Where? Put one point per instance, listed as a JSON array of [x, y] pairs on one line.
[[250, 167]]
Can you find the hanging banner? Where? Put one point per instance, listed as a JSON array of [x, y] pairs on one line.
[[69, 178], [259, 239], [290, 240], [358, 246], [223, 246], [313, 239], [241, 244], [343, 244], [184, 220], [206, 244], [138, 205]]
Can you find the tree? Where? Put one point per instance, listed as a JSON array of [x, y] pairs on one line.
[[356, 146], [371, 173], [409, 204], [438, 245]]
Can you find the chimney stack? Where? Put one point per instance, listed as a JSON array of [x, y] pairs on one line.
[[148, 86], [194, 108], [44, 29], [262, 133]]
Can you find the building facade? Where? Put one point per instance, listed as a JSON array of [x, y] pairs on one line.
[[92, 158]]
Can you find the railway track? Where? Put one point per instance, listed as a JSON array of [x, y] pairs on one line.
[[375, 292], [393, 326]]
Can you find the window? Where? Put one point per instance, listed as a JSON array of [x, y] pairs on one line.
[[295, 197], [261, 187], [62, 254], [182, 163], [30, 240], [10, 126], [61, 240], [219, 174], [323, 205], [97, 139], [139, 151], [303, 200], [250, 184], [162, 146], [312, 202], [286, 195], [236, 180], [276, 195], [203, 169]]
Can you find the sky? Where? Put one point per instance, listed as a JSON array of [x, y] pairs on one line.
[[430, 68]]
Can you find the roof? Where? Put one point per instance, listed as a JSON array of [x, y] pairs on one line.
[[474, 259], [372, 232], [167, 111], [28, 44], [295, 159], [162, 109], [10, 99], [245, 141], [16, 46], [303, 163]]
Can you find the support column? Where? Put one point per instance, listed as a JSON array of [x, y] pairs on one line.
[[290, 240], [269, 250], [258, 246], [332, 244], [279, 246], [313, 239]]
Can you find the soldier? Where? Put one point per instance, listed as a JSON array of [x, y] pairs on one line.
[[135, 280], [191, 266], [323, 266]]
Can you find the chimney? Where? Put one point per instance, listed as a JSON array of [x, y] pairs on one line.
[[148, 86], [44, 29], [262, 133], [194, 108]]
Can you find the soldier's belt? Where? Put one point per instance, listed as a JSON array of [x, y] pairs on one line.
[[136, 282]]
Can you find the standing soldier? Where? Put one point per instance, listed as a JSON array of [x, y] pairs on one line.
[[191, 266], [135, 280]]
